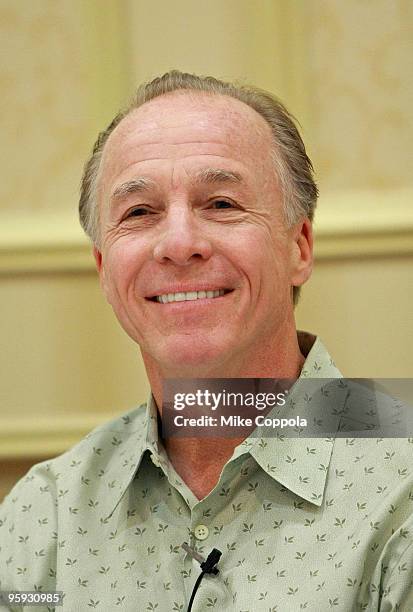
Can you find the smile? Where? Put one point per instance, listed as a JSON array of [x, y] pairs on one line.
[[184, 296]]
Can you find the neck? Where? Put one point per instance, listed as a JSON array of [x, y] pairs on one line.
[[199, 461], [279, 358]]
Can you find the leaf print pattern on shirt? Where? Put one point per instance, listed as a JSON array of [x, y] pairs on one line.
[[303, 524]]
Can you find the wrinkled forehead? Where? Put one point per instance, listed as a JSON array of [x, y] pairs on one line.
[[187, 116]]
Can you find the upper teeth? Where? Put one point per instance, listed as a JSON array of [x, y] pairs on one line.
[[188, 295]]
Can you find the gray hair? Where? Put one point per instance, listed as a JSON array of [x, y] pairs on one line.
[[292, 164]]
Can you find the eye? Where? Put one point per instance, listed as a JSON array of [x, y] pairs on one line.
[[137, 212], [222, 204]]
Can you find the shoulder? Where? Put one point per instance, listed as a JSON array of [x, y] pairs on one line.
[[381, 466], [376, 476], [29, 513], [379, 473], [103, 439]]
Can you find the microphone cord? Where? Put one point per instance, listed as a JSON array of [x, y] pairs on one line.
[[207, 567]]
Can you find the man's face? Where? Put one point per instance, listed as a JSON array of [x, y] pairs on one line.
[[191, 208]]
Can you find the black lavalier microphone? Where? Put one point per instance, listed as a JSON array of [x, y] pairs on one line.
[[207, 567]]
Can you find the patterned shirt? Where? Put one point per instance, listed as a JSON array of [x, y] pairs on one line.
[[310, 524]]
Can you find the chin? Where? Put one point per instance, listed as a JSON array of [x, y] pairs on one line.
[[192, 358]]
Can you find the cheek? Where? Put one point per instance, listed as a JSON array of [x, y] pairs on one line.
[[122, 264], [260, 254]]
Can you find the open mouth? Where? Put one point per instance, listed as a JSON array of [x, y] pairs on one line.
[[186, 296]]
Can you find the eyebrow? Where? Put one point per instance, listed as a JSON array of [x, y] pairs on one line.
[[206, 175], [137, 185], [217, 175]]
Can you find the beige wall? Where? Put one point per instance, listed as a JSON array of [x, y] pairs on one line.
[[361, 97], [66, 67]]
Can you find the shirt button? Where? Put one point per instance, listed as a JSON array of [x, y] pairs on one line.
[[201, 532]]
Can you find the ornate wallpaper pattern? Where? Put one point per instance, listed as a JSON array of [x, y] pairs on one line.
[[45, 103], [358, 66], [361, 92]]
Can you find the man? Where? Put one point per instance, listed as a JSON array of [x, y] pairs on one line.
[[199, 200]]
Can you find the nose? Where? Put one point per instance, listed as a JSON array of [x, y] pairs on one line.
[[181, 240]]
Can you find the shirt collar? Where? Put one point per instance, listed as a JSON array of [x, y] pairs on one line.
[[270, 452], [286, 459], [142, 437]]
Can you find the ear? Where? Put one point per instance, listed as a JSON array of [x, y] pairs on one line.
[[302, 254], [100, 268]]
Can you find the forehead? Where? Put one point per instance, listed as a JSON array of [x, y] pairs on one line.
[[186, 123]]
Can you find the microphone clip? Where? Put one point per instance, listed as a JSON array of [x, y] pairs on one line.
[[208, 564]]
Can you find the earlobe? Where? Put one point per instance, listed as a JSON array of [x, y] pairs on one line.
[[100, 268], [303, 252], [98, 258]]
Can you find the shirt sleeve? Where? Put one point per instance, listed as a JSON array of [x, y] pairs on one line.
[[397, 572], [28, 534], [397, 594]]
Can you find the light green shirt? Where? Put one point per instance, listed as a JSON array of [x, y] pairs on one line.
[[303, 524]]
